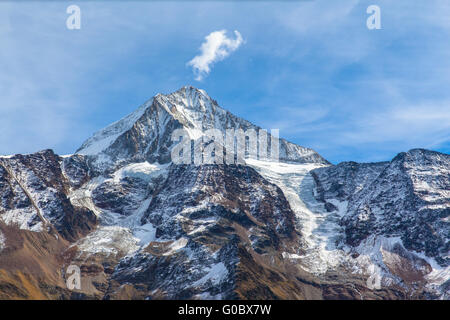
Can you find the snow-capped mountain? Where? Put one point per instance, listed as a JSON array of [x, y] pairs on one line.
[[142, 227], [402, 207], [407, 197], [146, 134]]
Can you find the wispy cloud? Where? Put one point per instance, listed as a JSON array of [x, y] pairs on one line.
[[425, 125], [217, 46]]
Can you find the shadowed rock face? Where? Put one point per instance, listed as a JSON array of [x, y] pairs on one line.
[[141, 227], [37, 224], [216, 214], [36, 185]]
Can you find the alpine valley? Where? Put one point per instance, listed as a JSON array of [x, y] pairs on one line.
[[139, 226]]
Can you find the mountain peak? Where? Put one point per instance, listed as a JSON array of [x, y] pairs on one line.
[[145, 134], [187, 97], [189, 90], [419, 155], [186, 105], [185, 91]]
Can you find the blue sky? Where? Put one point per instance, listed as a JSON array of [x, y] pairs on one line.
[[311, 69]]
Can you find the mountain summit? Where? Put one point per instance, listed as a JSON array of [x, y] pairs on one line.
[[146, 133], [139, 226]]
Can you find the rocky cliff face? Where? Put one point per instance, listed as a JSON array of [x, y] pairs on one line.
[[406, 200], [407, 197], [142, 227], [34, 196]]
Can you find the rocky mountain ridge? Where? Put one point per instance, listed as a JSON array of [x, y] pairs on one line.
[[141, 227]]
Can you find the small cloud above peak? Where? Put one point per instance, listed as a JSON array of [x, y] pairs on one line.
[[216, 47]]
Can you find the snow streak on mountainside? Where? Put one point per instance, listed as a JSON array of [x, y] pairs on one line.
[[141, 227], [2, 241], [316, 225]]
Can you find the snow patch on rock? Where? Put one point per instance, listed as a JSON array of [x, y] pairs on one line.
[[215, 274], [141, 170], [109, 240], [176, 245], [2, 241]]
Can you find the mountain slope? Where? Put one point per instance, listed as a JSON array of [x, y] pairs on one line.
[[145, 135], [402, 206], [142, 227]]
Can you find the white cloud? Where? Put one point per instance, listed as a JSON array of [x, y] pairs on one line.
[[217, 46]]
